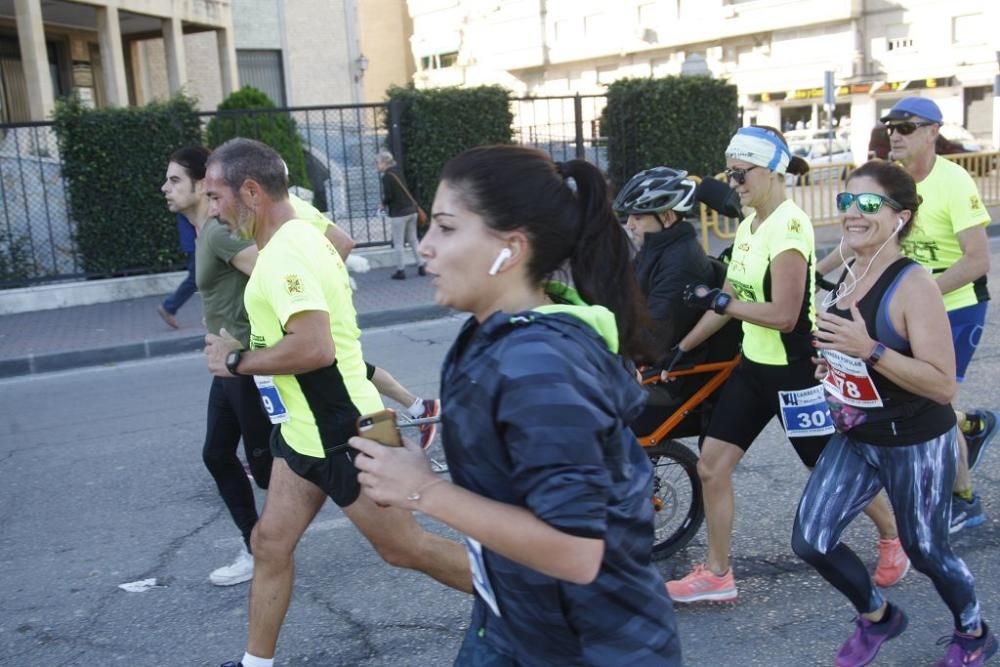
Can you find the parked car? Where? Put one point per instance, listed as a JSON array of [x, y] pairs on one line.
[[818, 153]]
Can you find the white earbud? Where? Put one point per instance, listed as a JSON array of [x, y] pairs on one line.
[[502, 257], [899, 225]]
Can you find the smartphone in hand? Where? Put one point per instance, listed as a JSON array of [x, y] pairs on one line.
[[381, 427]]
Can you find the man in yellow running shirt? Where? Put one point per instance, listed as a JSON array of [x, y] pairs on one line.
[[305, 356]]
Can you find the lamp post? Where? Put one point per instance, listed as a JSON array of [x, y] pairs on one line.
[[361, 64]]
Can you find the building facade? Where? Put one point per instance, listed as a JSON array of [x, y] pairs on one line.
[[120, 52], [775, 51]]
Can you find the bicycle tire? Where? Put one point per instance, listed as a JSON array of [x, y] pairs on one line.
[[678, 503]]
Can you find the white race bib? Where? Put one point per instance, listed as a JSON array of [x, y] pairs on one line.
[[271, 399], [805, 413], [480, 580], [849, 381]]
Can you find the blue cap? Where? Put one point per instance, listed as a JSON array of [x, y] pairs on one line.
[[908, 107]]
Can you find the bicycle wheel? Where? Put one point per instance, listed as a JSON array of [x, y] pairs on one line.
[[678, 508]]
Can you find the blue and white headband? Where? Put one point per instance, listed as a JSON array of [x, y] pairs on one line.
[[760, 147]]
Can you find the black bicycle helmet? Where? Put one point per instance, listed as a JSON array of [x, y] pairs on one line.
[[656, 190]]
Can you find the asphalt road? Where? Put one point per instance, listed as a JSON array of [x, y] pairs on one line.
[[101, 483]]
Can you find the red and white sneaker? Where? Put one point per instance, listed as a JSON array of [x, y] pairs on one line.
[[432, 408]]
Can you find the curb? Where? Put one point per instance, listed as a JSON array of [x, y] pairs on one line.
[[48, 362]]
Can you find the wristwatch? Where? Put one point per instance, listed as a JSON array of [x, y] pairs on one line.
[[233, 361], [876, 354], [721, 302]]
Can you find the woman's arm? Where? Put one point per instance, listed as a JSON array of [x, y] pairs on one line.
[[401, 477], [789, 276]]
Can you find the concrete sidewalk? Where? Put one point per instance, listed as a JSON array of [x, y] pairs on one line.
[[103, 333], [128, 329]]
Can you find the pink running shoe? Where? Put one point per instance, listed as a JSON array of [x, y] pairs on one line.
[[703, 584], [893, 563]]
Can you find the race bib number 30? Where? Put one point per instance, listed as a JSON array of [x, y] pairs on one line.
[[849, 381], [271, 399], [805, 413]]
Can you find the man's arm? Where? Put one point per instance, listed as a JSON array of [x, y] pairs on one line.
[[245, 259], [972, 265], [340, 239], [307, 346]]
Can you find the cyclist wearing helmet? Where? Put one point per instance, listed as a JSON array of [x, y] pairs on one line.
[[669, 256]]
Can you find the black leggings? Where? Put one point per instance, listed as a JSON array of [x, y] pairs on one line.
[[234, 409], [918, 480]]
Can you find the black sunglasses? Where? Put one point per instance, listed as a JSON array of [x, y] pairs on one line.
[[868, 202], [906, 129], [738, 175]]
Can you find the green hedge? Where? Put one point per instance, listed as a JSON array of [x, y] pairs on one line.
[[114, 161], [438, 124], [277, 129], [682, 122]]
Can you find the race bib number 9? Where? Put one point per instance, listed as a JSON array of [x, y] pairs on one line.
[[271, 399], [849, 381], [805, 413]]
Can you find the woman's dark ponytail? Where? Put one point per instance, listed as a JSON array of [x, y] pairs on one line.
[[601, 263], [565, 210]]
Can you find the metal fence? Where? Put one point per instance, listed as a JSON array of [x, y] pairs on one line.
[[37, 231]]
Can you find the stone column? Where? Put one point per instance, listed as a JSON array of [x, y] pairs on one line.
[[112, 57], [34, 58], [227, 61], [173, 46]]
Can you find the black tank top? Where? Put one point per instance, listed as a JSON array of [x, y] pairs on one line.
[[904, 418]]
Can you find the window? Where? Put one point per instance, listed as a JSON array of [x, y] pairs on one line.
[[448, 59], [968, 29], [439, 61], [897, 37], [261, 68]]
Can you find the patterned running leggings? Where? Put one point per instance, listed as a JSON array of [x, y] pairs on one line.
[[918, 479]]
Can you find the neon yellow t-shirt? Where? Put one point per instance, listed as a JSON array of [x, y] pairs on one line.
[[787, 228], [951, 204], [300, 270], [308, 213]]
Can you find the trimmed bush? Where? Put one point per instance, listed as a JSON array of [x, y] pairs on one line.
[[114, 161], [683, 122], [438, 124], [275, 128]]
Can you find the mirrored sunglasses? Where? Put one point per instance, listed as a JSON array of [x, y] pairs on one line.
[[868, 202]]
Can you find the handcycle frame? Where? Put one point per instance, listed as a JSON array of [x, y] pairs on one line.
[[675, 467]]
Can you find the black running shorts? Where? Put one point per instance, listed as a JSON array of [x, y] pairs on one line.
[[749, 400], [335, 474]]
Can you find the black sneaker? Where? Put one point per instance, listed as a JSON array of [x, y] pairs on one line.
[[232, 664], [981, 440], [399, 275]]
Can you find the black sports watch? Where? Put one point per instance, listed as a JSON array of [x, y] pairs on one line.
[[876, 354], [721, 302], [233, 361]]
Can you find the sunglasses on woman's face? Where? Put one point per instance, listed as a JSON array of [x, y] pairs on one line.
[[738, 175], [906, 129], [868, 202]]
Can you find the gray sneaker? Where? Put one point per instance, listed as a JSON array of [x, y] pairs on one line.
[[966, 514], [237, 572], [980, 441]]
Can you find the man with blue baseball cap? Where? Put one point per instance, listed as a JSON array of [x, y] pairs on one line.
[[950, 240]]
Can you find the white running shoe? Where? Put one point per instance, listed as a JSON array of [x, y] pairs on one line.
[[237, 572]]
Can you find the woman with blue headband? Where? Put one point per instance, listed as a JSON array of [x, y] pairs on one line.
[[769, 287]]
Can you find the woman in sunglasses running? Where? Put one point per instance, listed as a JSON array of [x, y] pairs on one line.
[[888, 375], [769, 287]]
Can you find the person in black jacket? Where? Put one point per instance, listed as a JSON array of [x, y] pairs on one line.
[[669, 255], [400, 207]]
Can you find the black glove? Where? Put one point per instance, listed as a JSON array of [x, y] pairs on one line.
[[704, 297], [678, 358]]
